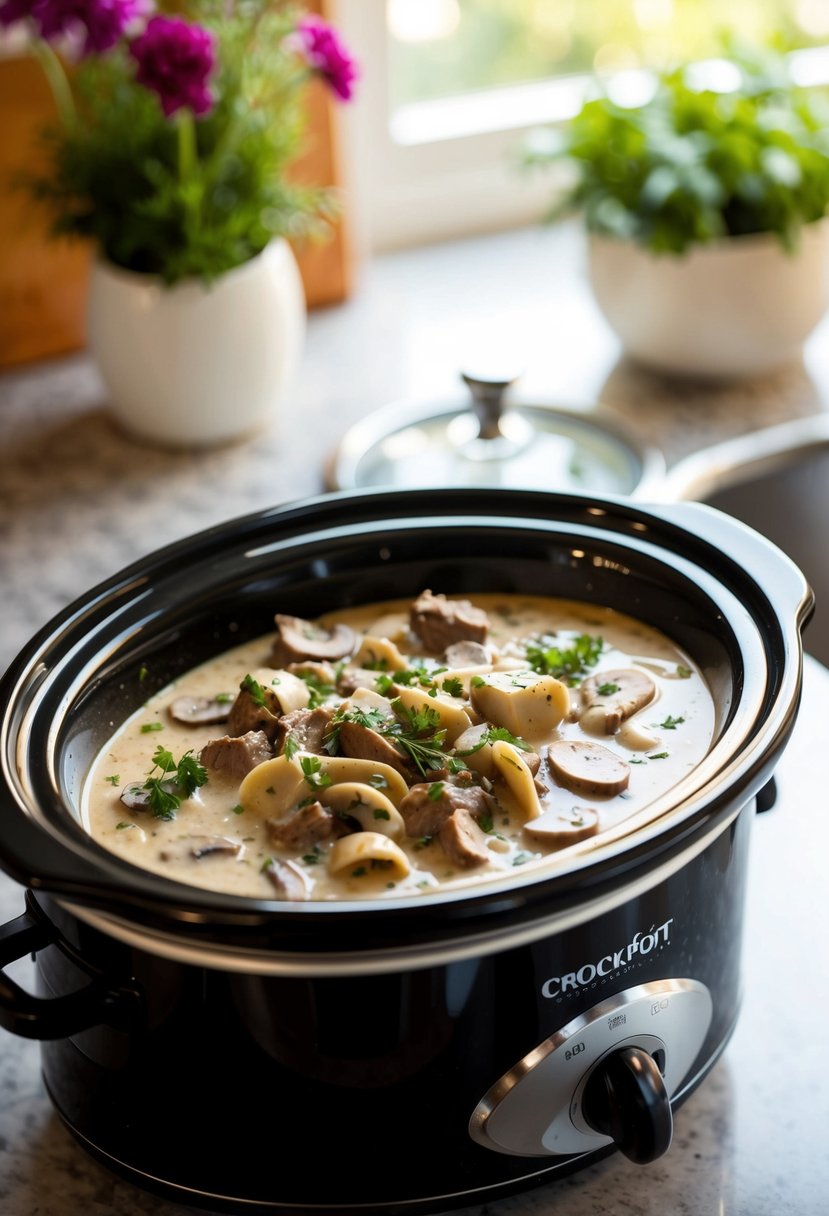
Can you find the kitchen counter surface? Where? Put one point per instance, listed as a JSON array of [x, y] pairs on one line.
[[78, 501]]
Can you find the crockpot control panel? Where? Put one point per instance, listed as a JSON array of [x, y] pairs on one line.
[[607, 1076]]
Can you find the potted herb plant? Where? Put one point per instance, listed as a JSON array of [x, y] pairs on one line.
[[171, 153], [708, 249]]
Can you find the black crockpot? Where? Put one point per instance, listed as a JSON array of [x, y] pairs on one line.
[[410, 1052]]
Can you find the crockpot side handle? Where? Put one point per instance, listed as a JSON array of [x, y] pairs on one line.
[[33, 1017]]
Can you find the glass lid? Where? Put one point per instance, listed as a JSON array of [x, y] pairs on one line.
[[490, 440]]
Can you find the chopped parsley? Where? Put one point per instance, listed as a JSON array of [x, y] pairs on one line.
[[291, 746], [238, 809], [312, 858], [683, 672], [569, 663], [671, 723], [521, 859], [147, 728], [254, 689], [496, 734], [115, 779], [435, 791], [169, 781], [120, 827], [223, 698], [658, 756], [485, 822], [419, 734], [319, 690], [143, 672], [312, 772], [607, 690], [453, 687], [477, 681], [380, 812]]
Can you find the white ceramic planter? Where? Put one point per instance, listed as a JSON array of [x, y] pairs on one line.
[[737, 308], [194, 365]]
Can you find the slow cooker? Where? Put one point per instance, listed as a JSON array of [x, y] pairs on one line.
[[404, 1054]]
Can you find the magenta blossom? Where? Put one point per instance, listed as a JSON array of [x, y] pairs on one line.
[[175, 60], [97, 24], [14, 10], [326, 54]]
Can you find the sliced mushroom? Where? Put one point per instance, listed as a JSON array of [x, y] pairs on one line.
[[200, 711], [300, 639], [609, 697], [195, 848], [467, 654], [527, 704], [136, 797], [288, 879], [475, 749], [588, 768], [561, 828]]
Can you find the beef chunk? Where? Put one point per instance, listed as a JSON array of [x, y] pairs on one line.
[[440, 622], [425, 815], [463, 841], [307, 727], [236, 754], [363, 743], [302, 828], [249, 712]]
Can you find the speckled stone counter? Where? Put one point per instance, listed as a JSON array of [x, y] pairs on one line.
[[78, 500]]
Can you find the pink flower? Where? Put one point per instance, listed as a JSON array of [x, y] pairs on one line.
[[325, 53], [98, 24], [14, 10], [174, 60]]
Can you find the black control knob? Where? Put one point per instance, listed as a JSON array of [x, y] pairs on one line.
[[625, 1098]]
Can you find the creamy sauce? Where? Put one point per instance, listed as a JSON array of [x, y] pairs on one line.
[[661, 743]]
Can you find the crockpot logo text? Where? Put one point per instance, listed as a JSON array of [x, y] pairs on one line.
[[642, 944]]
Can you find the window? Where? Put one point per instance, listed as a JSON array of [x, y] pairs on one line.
[[450, 87]]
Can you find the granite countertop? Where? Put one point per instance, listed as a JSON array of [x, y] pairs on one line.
[[78, 501]]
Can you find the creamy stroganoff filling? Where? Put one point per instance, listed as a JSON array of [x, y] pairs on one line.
[[402, 748]]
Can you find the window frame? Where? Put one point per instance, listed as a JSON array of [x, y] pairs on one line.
[[449, 173], [442, 178]]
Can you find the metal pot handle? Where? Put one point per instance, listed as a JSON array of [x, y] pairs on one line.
[[33, 1017]]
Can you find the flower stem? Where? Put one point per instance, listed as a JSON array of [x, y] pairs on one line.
[[188, 164], [58, 82]]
